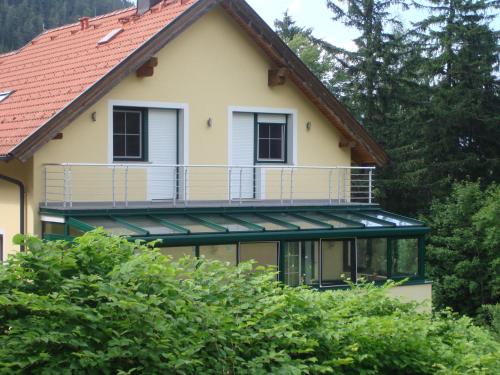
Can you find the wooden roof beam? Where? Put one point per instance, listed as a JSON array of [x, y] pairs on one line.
[[148, 68]]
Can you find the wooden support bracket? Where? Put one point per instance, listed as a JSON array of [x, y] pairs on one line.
[[347, 144], [148, 69], [277, 76]]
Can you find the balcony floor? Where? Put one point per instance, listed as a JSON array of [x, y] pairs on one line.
[[199, 204]]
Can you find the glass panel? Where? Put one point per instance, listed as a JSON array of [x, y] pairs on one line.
[[177, 253], [276, 131], [405, 257], [119, 122], [133, 146], [301, 263], [303, 224], [150, 225], [291, 269], [188, 223], [372, 258], [263, 149], [264, 253], [224, 222], [328, 220], [119, 145], [336, 262], [109, 225], [310, 262], [359, 219], [257, 220], [133, 123], [222, 253], [52, 228], [73, 232], [276, 149], [264, 130], [390, 219]]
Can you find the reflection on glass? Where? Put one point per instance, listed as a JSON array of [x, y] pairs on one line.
[[152, 226], [188, 223], [301, 263], [222, 253], [303, 224], [336, 262], [177, 253], [372, 258], [265, 223], [224, 222], [109, 225], [264, 253], [405, 257], [328, 220], [53, 228], [358, 219], [390, 219]]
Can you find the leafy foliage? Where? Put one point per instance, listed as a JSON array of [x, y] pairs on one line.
[[21, 21], [104, 305], [463, 250]]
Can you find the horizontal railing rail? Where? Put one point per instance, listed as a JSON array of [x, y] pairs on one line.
[[123, 185]]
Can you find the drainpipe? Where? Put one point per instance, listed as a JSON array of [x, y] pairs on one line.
[[19, 184]]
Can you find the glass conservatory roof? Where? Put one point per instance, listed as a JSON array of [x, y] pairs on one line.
[[327, 221]]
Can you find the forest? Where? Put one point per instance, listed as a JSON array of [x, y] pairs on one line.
[[427, 91], [429, 94]]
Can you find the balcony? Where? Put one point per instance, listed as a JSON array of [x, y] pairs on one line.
[[101, 186]]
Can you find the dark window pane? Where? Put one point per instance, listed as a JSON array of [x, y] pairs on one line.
[[263, 149], [119, 145], [53, 228], [405, 257], [263, 131], [276, 131], [119, 122], [276, 150], [133, 146], [372, 259], [133, 123]]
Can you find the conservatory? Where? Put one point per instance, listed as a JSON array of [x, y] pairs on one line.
[[323, 247]]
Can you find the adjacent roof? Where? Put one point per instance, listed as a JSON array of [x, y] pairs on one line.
[[64, 71], [226, 225]]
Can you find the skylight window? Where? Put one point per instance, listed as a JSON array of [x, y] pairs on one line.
[[110, 36], [5, 95]]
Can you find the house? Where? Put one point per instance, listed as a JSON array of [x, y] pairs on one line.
[[191, 122]]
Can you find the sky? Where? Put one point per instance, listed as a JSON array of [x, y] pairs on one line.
[[314, 14]]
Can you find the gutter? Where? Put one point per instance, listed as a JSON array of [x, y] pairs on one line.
[[22, 190]]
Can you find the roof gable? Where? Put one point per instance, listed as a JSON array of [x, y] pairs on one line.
[[55, 84]]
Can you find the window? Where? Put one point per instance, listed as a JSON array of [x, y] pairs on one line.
[[222, 253], [5, 95], [372, 259], [129, 138], [404, 257], [271, 138], [263, 253], [301, 263], [337, 261], [177, 253]]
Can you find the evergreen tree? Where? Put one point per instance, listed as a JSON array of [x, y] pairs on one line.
[[461, 131], [21, 21]]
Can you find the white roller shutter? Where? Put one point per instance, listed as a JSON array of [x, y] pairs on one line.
[[242, 154]]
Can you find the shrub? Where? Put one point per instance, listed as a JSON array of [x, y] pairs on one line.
[[103, 305]]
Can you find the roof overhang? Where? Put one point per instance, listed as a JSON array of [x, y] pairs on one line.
[[366, 151]]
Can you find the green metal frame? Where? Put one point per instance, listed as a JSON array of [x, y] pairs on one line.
[[144, 130], [256, 140]]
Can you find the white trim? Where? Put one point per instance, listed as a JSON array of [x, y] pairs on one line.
[[267, 110], [53, 219], [183, 122], [2, 232]]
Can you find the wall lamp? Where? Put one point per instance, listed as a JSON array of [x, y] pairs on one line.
[[309, 125], [210, 122]]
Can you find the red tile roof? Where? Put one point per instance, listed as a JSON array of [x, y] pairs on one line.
[[60, 64]]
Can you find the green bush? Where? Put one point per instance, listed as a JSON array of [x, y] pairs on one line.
[[106, 306]]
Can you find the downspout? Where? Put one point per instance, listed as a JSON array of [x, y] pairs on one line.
[[22, 190]]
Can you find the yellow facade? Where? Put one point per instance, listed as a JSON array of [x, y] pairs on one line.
[[210, 68], [421, 293]]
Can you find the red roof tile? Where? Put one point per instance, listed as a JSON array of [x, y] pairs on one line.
[[60, 64]]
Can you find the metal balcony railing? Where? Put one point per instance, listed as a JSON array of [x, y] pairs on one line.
[[134, 185]]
